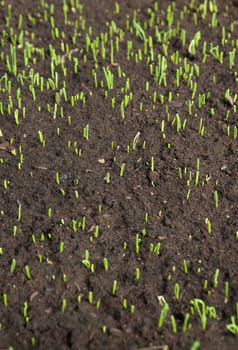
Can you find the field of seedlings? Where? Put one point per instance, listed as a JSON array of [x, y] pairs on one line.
[[118, 174]]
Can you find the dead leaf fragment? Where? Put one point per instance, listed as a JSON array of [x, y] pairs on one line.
[[33, 295], [230, 101], [6, 147]]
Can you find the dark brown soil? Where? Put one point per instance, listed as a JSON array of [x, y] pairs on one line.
[[112, 210]]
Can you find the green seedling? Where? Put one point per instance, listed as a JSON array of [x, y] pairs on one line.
[[27, 272], [41, 138], [214, 21], [155, 248], [107, 178], [25, 312], [195, 345], [13, 265], [203, 311], [152, 163], [186, 322], [180, 173], [226, 292], [173, 323], [86, 132], [183, 37], [122, 169], [139, 31], [138, 241], [5, 299], [135, 140], [163, 315], [109, 78], [90, 297], [233, 326], [216, 200], [86, 262], [232, 55], [160, 71], [49, 212], [96, 232], [63, 306], [177, 291], [61, 247], [114, 287], [201, 129], [209, 225], [194, 44], [137, 274], [146, 218], [124, 304], [33, 341], [216, 53], [215, 280], [228, 98], [185, 266], [105, 264], [132, 309], [19, 211], [98, 304]]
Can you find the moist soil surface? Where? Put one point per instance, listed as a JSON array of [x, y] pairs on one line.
[[154, 198]]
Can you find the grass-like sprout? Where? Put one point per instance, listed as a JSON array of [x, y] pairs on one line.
[[109, 78], [139, 31], [163, 315], [233, 326], [13, 265], [27, 272], [194, 44]]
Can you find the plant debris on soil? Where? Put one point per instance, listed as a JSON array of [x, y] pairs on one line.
[[119, 174]]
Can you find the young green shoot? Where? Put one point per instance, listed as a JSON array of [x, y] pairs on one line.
[[114, 287], [139, 31], [63, 306], [135, 140], [177, 291], [163, 315], [90, 297], [41, 138], [86, 131], [215, 280], [216, 200], [194, 44], [173, 324], [109, 78], [13, 265], [232, 326], [209, 225], [5, 299], [19, 211], [186, 322], [137, 274], [105, 264], [27, 272], [226, 292], [185, 266]]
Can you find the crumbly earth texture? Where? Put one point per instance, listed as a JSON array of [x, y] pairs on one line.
[[118, 174]]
